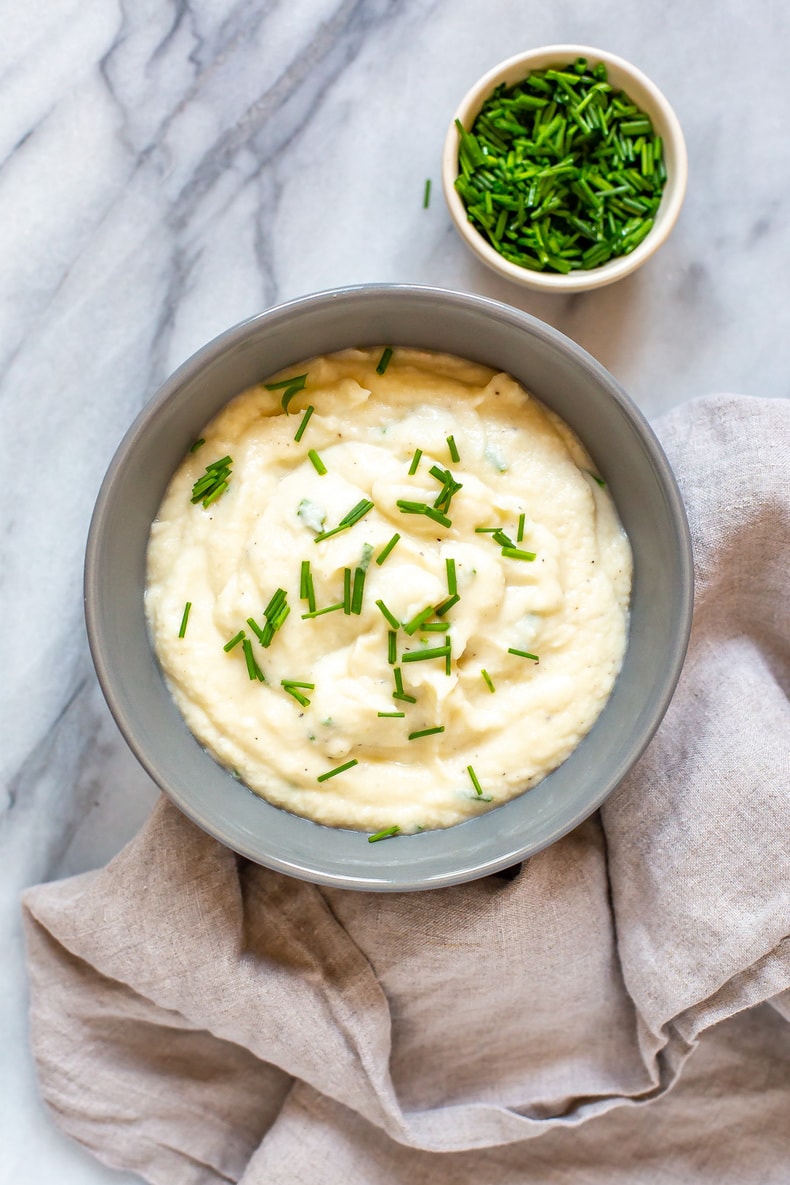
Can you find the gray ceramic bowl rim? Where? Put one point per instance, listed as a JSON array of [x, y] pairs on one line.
[[371, 869]]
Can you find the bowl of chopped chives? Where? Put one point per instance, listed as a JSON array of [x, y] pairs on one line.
[[564, 168]]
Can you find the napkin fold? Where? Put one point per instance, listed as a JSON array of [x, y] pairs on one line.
[[616, 1012]]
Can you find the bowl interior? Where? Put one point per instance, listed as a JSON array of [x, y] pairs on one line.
[[551, 367], [647, 96]]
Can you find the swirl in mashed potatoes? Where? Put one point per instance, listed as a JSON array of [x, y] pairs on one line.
[[522, 652]]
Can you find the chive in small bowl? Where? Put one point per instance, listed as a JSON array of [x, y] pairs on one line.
[[587, 169]]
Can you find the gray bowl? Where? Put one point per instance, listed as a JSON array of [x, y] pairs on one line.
[[554, 369]]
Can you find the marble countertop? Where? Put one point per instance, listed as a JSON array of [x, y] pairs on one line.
[[171, 168]]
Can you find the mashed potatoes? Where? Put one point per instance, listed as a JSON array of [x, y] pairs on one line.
[[407, 616]]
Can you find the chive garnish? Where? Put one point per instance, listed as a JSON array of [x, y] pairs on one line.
[[391, 618], [256, 629], [437, 627], [426, 732], [427, 652], [515, 553], [339, 769], [475, 781], [452, 586], [185, 618], [422, 508], [321, 612], [288, 396], [447, 605], [197, 444], [600, 481], [385, 834], [502, 539], [485, 530], [391, 715], [426, 197], [384, 360], [253, 670], [293, 687], [317, 463], [305, 421], [358, 591], [234, 641], [392, 647], [303, 575], [347, 591], [381, 557], [520, 533], [213, 483], [523, 653], [417, 621], [359, 511], [399, 693], [454, 456], [488, 680], [297, 380], [415, 462]]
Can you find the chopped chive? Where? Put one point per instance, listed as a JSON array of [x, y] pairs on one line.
[[197, 444], [452, 586], [417, 621], [386, 833], [276, 601], [359, 511], [437, 627], [522, 518], [392, 647], [321, 612], [488, 680], [358, 591], [502, 539], [381, 557], [288, 396], [415, 461], [515, 553], [303, 578], [253, 670], [298, 381], [426, 732], [292, 686], [310, 592], [297, 683], [234, 641], [384, 360], [523, 654], [454, 456], [347, 591], [391, 715], [217, 492], [339, 769], [185, 618], [485, 530], [426, 197], [426, 653], [475, 781], [256, 629], [399, 693], [318, 464], [596, 478], [423, 508], [447, 605], [391, 618], [215, 466], [305, 421]]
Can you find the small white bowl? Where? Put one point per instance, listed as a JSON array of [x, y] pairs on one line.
[[623, 76]]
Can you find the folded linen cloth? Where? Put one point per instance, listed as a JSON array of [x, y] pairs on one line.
[[199, 1019]]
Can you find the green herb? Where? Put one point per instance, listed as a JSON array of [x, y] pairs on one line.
[[293, 687], [213, 483], [384, 361], [417, 621], [454, 457], [347, 591], [321, 612], [275, 613], [288, 396], [561, 171], [359, 511], [427, 652], [297, 380], [452, 585], [381, 557], [422, 508], [520, 533], [488, 680], [450, 488], [523, 654], [392, 647], [385, 834], [475, 781], [304, 422], [358, 591], [339, 769], [435, 627], [514, 553], [185, 618], [318, 464], [391, 715], [399, 693], [447, 605], [426, 197], [485, 530], [306, 587], [415, 462], [426, 732], [197, 444], [234, 641], [502, 539], [596, 478], [256, 629], [253, 670], [390, 617]]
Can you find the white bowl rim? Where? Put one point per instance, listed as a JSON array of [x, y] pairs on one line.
[[672, 199]]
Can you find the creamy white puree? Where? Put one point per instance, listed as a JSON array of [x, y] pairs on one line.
[[569, 606]]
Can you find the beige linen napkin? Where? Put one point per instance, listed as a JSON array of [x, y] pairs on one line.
[[200, 1020]]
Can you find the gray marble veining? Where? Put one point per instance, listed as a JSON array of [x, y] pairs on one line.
[[168, 169]]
